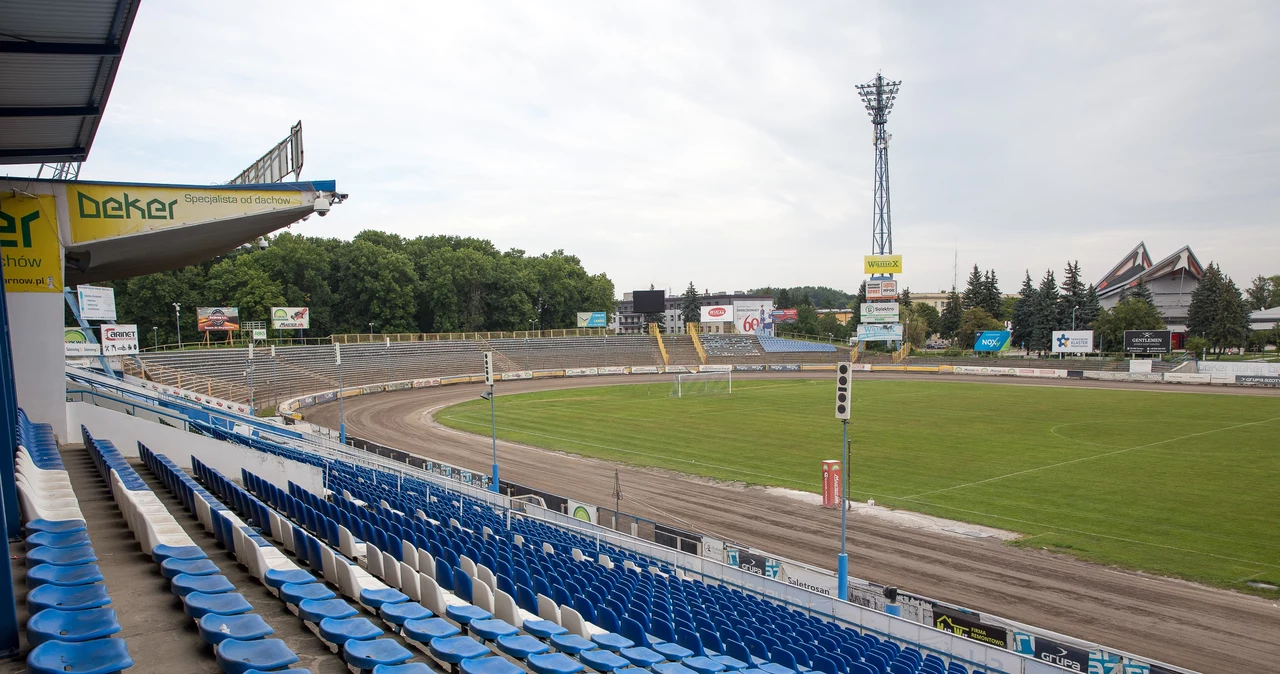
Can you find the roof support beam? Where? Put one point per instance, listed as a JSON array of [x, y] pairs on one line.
[[73, 153], [63, 48], [51, 111]]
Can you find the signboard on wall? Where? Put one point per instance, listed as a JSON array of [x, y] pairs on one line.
[[592, 319], [753, 316], [1072, 341], [991, 340], [99, 211], [879, 312], [218, 319], [880, 332], [290, 318], [119, 340], [29, 245], [97, 303], [882, 290], [718, 314], [968, 626], [785, 315], [76, 343], [1147, 341]]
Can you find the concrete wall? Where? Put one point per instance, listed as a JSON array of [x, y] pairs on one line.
[[127, 431], [35, 331]]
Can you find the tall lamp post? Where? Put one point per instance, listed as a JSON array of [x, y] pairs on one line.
[[843, 405], [177, 321], [155, 336], [493, 419], [342, 417]]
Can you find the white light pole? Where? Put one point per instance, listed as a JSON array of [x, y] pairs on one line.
[[177, 320], [155, 336], [342, 417]]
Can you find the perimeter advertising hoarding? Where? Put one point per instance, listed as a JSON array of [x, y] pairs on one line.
[[96, 303], [717, 314], [107, 211], [592, 319], [882, 264], [786, 315], [119, 340], [968, 626], [218, 319], [879, 312], [992, 340], [1147, 341], [29, 245], [1072, 341], [753, 317], [882, 290], [880, 332], [290, 318], [76, 343]]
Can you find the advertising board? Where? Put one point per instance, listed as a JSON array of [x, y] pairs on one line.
[[425, 383], [118, 340], [882, 264], [76, 343], [715, 368], [259, 334], [717, 314], [831, 484], [968, 625], [107, 211], [992, 340], [882, 290], [880, 332], [592, 319], [614, 369], [675, 368], [96, 303], [290, 318], [509, 376], [29, 244], [786, 315], [753, 317], [1140, 365], [1072, 341], [644, 369], [1147, 341], [1220, 367], [879, 312], [788, 367], [580, 372], [1257, 380], [218, 319]]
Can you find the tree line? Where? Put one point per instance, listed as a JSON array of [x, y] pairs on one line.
[[376, 282]]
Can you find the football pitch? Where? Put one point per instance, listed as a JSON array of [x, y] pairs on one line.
[[1177, 484]]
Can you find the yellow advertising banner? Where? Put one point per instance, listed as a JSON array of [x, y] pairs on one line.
[[882, 264], [29, 244], [106, 211]]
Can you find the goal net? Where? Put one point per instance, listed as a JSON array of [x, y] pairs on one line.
[[702, 383]]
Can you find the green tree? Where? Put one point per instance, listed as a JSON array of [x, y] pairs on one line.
[[1044, 313], [1130, 313], [1259, 293], [904, 299], [952, 315], [927, 315], [1022, 316], [690, 307], [782, 299], [240, 282], [1230, 328], [374, 285], [301, 266], [1142, 292], [1088, 312], [1072, 298], [975, 320], [1204, 309], [991, 294], [807, 320], [975, 290], [1196, 345]]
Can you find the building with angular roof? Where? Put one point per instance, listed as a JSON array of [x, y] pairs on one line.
[[1171, 281]]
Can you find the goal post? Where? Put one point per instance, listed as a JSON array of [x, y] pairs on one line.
[[702, 383]]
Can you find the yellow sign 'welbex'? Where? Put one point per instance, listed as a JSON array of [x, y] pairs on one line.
[[882, 264]]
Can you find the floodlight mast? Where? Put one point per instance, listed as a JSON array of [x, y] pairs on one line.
[[877, 97]]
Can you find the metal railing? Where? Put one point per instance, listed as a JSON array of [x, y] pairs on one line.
[[366, 337]]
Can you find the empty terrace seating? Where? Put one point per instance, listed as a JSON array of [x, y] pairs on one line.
[[71, 623], [780, 345], [730, 345], [561, 352]]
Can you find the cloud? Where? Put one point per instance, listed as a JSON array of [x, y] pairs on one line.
[[724, 144]]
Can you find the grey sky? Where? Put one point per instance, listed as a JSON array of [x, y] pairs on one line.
[[723, 142]]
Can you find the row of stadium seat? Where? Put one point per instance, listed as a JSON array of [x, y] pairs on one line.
[[71, 624], [780, 345]]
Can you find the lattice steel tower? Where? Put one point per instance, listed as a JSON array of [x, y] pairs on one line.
[[878, 96]]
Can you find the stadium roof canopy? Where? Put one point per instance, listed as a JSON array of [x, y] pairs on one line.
[[58, 61], [1136, 267]]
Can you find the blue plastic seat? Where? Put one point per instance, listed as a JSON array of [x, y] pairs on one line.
[[163, 552], [75, 555], [406, 668], [341, 630], [199, 604], [454, 650], [465, 613], [170, 568], [100, 656], [554, 663], [602, 660], [184, 584], [521, 646], [215, 629], [295, 593], [489, 666], [315, 610], [48, 574], [672, 651], [55, 526], [67, 598], [571, 643], [672, 668], [702, 665], [276, 578], [397, 614], [425, 629], [65, 539], [543, 629], [491, 629], [642, 657], [375, 599], [237, 657], [58, 625], [374, 652], [612, 641]]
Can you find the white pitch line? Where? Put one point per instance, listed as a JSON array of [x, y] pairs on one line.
[[1088, 458]]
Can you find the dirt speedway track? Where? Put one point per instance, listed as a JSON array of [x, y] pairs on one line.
[[1180, 623]]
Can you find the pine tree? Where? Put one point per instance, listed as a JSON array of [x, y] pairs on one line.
[[856, 317], [904, 299], [1259, 292], [782, 300], [1090, 310], [1044, 313], [973, 292], [1073, 297], [690, 307], [1230, 328], [952, 315], [1203, 312], [1022, 312], [990, 293], [1142, 292]]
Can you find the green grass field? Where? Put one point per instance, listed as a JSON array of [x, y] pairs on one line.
[[1178, 484]]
